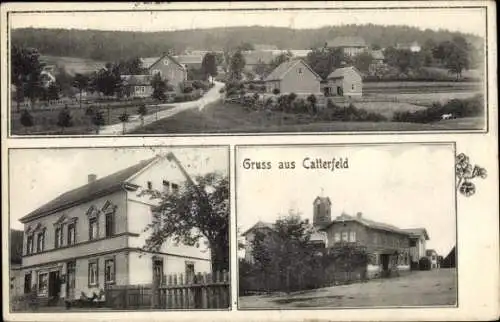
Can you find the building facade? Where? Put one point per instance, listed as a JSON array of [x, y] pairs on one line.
[[168, 68], [345, 81], [293, 76], [418, 239], [92, 236], [351, 46]]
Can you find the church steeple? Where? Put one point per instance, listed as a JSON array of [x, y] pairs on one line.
[[322, 211]]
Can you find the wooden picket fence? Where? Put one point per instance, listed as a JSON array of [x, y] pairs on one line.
[[202, 291]]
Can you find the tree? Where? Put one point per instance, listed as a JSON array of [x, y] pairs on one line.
[[236, 65], [465, 173], [312, 100], [325, 61], [363, 60], [458, 56], [53, 92], [98, 120], [26, 119], [261, 69], [80, 82], [199, 211], [25, 74], [159, 88], [124, 117], [209, 65], [280, 59], [64, 119]]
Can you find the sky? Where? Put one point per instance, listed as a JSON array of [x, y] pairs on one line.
[[467, 20], [39, 175], [406, 185]]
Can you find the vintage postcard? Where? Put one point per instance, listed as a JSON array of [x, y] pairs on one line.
[[250, 161]]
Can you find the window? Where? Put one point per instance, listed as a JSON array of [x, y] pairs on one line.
[[336, 237], [109, 271], [71, 234], [93, 228], [413, 243], [59, 237], [352, 86], [29, 245], [150, 185], [43, 283], [166, 187], [344, 236], [300, 70], [40, 242], [352, 236], [27, 283], [110, 224], [156, 72], [175, 188], [93, 271], [190, 271]]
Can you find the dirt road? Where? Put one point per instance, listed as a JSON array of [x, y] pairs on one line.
[[420, 288]]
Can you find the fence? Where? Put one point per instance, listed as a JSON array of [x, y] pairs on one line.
[[201, 291]]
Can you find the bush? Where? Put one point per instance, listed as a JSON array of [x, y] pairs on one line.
[[299, 106], [276, 91], [26, 118], [89, 111], [64, 118], [350, 113]]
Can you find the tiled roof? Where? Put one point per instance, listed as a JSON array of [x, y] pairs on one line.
[[340, 72], [418, 232], [350, 41], [368, 223], [92, 190], [279, 72], [189, 59]]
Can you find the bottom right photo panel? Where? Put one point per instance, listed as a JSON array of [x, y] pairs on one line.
[[347, 226]]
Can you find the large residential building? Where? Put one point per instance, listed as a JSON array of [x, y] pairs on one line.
[[293, 76], [418, 239], [168, 68], [351, 46], [92, 236], [389, 246]]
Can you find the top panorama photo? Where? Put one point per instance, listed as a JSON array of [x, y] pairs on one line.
[[247, 72]]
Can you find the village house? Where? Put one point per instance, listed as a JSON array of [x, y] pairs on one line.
[[168, 68], [137, 85], [418, 238], [253, 58], [91, 237], [351, 46], [190, 61], [293, 76], [432, 255], [344, 81]]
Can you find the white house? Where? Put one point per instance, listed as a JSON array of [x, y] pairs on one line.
[[345, 81]]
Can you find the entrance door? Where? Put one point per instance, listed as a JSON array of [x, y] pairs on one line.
[[70, 280], [54, 286], [384, 258]]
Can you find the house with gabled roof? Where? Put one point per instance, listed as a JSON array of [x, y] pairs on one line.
[[418, 239], [294, 76], [168, 68], [93, 236], [344, 81], [350, 45], [137, 85]]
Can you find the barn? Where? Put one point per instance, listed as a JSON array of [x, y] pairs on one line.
[[345, 81]]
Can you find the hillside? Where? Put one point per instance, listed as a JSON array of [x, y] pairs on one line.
[[112, 45]]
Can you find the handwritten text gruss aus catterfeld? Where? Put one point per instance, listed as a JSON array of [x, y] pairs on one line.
[[308, 163]]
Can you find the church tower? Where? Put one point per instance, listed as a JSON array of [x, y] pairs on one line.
[[322, 211]]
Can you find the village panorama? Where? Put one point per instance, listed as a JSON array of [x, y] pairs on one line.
[[254, 79]]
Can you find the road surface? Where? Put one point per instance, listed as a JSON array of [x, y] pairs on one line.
[[419, 288], [210, 96]]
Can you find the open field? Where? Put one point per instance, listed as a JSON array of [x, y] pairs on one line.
[[73, 65], [45, 121], [420, 288], [233, 118], [422, 99]]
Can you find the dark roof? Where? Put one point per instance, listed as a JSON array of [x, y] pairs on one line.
[[135, 80], [100, 187], [368, 223], [323, 199], [259, 225], [16, 246], [346, 42], [418, 232], [279, 72]]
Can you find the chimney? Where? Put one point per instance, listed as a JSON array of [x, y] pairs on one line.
[[92, 177], [359, 215]]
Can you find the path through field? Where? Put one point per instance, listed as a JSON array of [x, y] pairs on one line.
[[135, 122]]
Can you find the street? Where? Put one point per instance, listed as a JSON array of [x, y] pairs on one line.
[[210, 96], [419, 288]]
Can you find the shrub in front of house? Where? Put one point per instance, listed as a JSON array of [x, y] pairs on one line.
[[350, 114], [424, 264], [276, 91]]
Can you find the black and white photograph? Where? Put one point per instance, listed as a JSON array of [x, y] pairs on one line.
[[347, 226], [143, 229], [247, 71]]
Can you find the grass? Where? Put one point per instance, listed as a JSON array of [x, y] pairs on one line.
[[45, 121], [74, 65], [233, 118]]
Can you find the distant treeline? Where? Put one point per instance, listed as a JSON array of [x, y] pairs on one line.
[[113, 45]]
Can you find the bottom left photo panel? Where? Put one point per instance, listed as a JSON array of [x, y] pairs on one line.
[[122, 228]]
